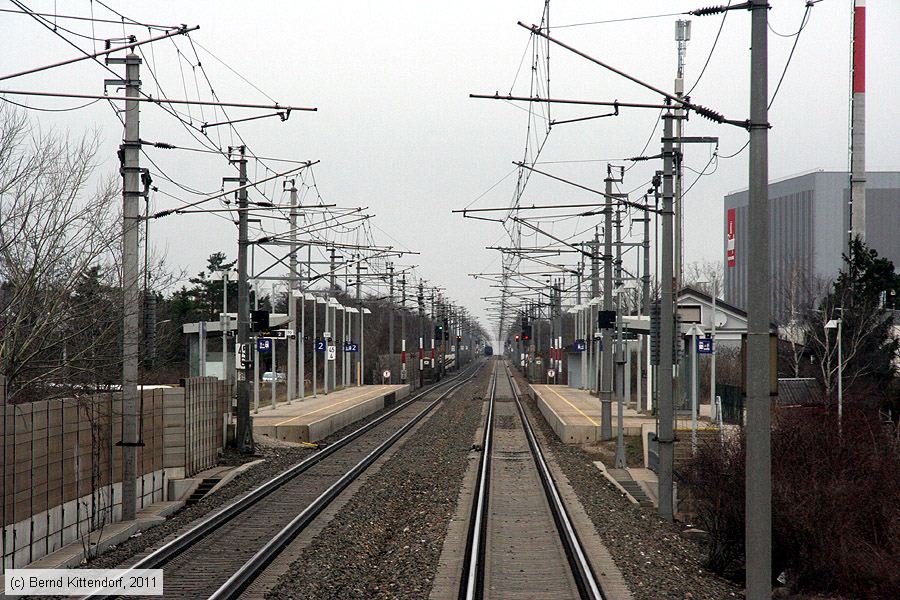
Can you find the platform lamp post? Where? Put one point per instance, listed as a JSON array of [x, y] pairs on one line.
[[339, 308], [620, 461], [331, 323], [315, 372], [713, 402], [224, 319], [351, 310], [595, 343], [838, 324], [347, 336], [362, 344], [695, 332], [302, 341]]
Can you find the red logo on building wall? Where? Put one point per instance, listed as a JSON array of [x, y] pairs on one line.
[[729, 249]]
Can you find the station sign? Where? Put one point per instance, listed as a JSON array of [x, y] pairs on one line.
[[281, 334]]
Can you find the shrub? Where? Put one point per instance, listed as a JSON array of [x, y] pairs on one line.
[[835, 502]]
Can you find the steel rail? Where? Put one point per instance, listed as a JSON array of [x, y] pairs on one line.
[[587, 582], [183, 542], [471, 586], [243, 577]]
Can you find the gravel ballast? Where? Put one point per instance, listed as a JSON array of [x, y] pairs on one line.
[[655, 560], [279, 456], [386, 541]]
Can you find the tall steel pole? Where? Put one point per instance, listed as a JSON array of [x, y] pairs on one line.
[[665, 434], [244, 430], [606, 385], [758, 524], [131, 193]]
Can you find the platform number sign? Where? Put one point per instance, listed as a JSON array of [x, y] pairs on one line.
[[579, 346], [704, 346], [263, 345], [321, 346], [351, 347]]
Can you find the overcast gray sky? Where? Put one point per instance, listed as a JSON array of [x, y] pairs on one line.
[[396, 131]]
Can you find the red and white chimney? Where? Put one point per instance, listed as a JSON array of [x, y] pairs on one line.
[[858, 125]]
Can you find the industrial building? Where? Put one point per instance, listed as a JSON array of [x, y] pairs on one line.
[[809, 221]]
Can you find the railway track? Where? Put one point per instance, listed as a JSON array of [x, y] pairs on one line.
[[222, 555], [521, 541]]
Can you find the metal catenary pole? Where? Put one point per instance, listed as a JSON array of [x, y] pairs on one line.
[[391, 320], [403, 329], [594, 382], [292, 301], [606, 389], [421, 299], [359, 367], [758, 524], [244, 431], [620, 351], [131, 192], [666, 434], [645, 311]]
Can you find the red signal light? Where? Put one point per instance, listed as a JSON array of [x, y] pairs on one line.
[[517, 338]]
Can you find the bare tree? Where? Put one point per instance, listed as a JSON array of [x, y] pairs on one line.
[[800, 292], [704, 276], [54, 237]]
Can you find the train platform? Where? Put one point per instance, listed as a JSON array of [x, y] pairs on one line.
[[575, 414], [314, 419]]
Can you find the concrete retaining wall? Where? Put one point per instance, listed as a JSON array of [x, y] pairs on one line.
[[61, 470]]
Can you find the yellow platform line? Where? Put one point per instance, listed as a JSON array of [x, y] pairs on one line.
[[581, 412], [312, 412]]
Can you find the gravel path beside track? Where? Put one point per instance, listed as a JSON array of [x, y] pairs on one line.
[[386, 541], [655, 560]]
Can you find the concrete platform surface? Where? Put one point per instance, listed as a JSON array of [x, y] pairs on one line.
[[313, 419], [574, 414]]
